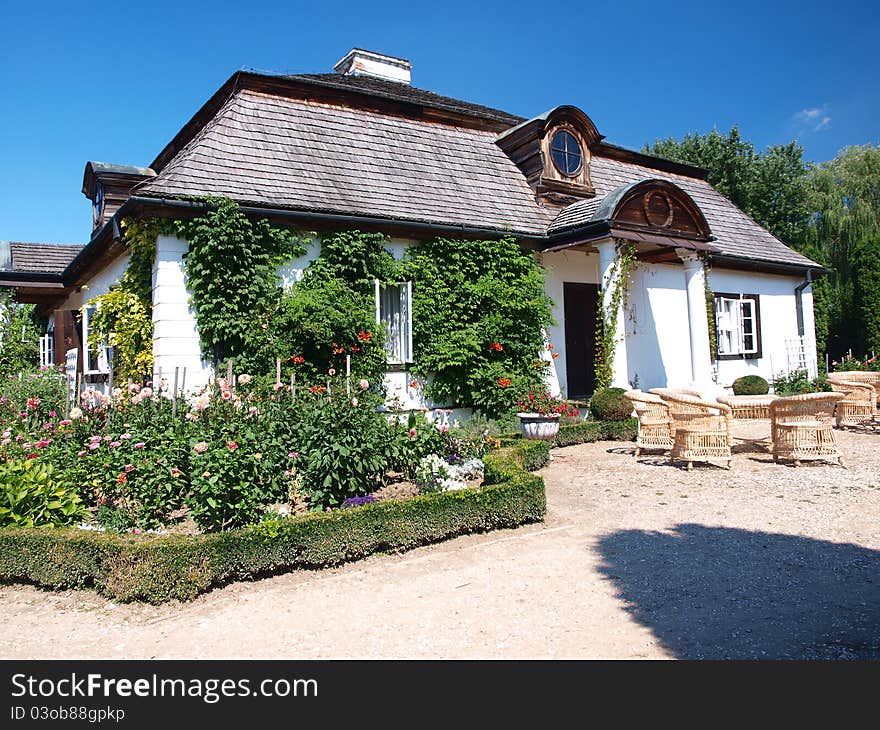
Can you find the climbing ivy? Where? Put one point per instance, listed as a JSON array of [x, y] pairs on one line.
[[607, 312], [124, 315], [710, 308], [479, 317], [231, 272]]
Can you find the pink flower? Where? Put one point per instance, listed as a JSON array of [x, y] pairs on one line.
[[125, 436], [129, 468], [226, 395], [139, 445], [81, 453], [94, 438], [133, 388], [201, 447], [19, 438], [42, 443], [277, 387], [175, 472], [94, 445], [47, 426], [244, 379], [444, 428], [33, 403], [231, 445], [332, 372], [364, 383], [135, 530], [146, 393], [292, 455], [412, 433], [108, 438], [192, 416], [52, 414], [65, 422]]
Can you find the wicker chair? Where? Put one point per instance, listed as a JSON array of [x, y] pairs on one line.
[[801, 427], [701, 429], [655, 425], [675, 391], [748, 406], [858, 407], [857, 376]]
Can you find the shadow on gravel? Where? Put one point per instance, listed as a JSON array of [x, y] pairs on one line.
[[723, 593]]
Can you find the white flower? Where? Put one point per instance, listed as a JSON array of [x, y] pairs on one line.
[[354, 402], [244, 379], [75, 413], [364, 383]]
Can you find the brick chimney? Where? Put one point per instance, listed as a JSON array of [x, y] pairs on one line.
[[358, 62]]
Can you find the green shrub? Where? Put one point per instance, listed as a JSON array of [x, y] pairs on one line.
[[798, 382], [33, 495], [590, 431], [168, 567], [524, 454], [609, 404], [751, 385]]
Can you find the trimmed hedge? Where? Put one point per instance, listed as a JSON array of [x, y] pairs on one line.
[[751, 385], [610, 404], [589, 431], [522, 454], [159, 568]]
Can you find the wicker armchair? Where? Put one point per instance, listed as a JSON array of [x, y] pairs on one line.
[[655, 425], [701, 429], [857, 376], [858, 407], [801, 427]]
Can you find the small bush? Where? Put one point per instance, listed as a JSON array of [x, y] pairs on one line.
[[799, 382], [590, 431], [32, 495], [751, 385], [609, 404]]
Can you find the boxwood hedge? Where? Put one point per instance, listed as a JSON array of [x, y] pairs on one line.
[[159, 568]]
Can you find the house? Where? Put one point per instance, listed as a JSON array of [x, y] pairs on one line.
[[362, 148]]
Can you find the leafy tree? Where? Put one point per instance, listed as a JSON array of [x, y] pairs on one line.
[[20, 331]]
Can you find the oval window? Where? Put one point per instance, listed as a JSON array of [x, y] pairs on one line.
[[566, 153]]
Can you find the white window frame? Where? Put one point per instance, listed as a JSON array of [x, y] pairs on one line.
[[103, 361], [735, 317], [47, 350], [399, 352]]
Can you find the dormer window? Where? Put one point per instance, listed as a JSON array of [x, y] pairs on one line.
[[566, 153]]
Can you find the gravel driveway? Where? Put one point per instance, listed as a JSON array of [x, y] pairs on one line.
[[637, 559]]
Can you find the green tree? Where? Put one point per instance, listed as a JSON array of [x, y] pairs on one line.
[[843, 196], [20, 331]]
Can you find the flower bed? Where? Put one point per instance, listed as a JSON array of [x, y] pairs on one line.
[[159, 568]]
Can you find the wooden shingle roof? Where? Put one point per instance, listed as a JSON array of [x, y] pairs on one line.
[[302, 152], [40, 258]]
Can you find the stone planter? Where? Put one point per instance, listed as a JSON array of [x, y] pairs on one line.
[[538, 426]]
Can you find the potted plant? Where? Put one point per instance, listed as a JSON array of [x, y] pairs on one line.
[[540, 413]]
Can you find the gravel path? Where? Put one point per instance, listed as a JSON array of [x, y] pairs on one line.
[[637, 559]]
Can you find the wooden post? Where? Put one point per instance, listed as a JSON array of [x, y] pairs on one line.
[[183, 382], [229, 372], [174, 394], [278, 370], [293, 387]]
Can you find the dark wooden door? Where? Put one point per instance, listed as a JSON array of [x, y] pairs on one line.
[[580, 338]]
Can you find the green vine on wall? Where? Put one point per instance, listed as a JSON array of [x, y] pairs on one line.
[[124, 315], [607, 312], [232, 274], [710, 308]]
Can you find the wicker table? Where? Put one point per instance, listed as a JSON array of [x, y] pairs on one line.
[[749, 406]]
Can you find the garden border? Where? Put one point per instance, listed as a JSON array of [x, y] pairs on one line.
[[161, 568]]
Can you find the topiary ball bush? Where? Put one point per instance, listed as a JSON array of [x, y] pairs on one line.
[[751, 385], [609, 404]]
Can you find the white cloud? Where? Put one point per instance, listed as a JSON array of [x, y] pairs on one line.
[[814, 119]]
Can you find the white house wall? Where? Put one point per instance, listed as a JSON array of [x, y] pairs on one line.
[[778, 320], [175, 336]]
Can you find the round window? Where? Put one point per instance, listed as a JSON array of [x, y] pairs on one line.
[[566, 153]]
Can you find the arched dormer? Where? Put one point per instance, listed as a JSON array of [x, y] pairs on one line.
[[655, 205], [553, 151]]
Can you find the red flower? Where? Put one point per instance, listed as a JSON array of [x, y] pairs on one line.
[[549, 346], [33, 403], [504, 382], [337, 350], [555, 355], [413, 383], [355, 348], [32, 456], [365, 336], [317, 389], [121, 479], [297, 359], [231, 445], [496, 347]]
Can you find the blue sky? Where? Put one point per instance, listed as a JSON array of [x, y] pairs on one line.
[[115, 82]]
